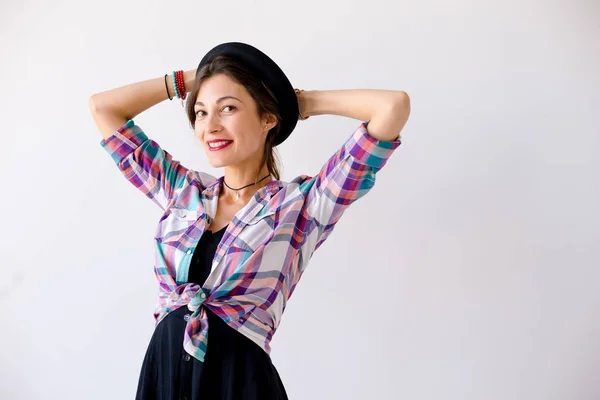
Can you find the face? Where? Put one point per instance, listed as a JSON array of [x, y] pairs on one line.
[[227, 123]]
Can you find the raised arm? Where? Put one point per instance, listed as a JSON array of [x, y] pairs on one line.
[[113, 108], [349, 173], [386, 110], [141, 160]]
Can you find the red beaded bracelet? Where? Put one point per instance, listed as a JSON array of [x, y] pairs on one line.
[[179, 80]]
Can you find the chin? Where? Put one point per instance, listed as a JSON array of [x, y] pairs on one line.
[[217, 163], [213, 160]]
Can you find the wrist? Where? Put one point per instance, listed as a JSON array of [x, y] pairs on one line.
[[189, 77], [302, 100], [306, 102]]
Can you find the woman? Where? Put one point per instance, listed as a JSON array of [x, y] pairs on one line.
[[229, 251]]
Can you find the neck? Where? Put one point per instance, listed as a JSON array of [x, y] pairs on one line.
[[238, 178]]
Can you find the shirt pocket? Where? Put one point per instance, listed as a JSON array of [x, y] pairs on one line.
[[176, 225], [258, 231]]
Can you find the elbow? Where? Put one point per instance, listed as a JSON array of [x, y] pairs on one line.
[[97, 107], [398, 115], [401, 108], [94, 105], [401, 102], [393, 114], [397, 105]]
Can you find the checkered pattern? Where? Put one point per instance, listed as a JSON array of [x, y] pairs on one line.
[[265, 249]]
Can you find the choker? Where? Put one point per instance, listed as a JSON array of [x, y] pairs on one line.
[[236, 197]]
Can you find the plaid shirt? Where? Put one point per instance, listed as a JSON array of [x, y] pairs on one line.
[[265, 248]]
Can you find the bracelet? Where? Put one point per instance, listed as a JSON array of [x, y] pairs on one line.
[[180, 84], [167, 88], [175, 85], [300, 116]]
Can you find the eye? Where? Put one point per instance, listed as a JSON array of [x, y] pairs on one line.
[[232, 108]]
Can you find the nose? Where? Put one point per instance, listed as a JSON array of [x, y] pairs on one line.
[[212, 124]]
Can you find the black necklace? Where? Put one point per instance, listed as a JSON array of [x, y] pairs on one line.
[[237, 194]]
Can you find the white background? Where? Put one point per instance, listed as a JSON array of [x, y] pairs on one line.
[[470, 271]]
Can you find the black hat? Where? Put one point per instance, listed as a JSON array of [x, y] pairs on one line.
[[270, 73]]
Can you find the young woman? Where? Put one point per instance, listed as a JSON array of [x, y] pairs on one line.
[[229, 251]]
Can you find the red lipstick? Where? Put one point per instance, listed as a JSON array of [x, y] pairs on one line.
[[214, 145]]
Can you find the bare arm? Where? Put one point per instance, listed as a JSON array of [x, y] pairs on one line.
[[111, 109], [386, 110]]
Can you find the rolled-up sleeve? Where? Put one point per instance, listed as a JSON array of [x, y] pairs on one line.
[[347, 176], [145, 164]]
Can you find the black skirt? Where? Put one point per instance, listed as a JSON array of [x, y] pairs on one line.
[[234, 367]]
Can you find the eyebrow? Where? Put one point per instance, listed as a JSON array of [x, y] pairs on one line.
[[199, 103]]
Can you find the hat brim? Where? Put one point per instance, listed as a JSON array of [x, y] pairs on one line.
[[270, 73]]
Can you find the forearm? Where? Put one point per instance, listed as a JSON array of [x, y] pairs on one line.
[[130, 100], [386, 110], [112, 108]]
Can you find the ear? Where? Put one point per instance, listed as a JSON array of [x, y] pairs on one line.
[[270, 120]]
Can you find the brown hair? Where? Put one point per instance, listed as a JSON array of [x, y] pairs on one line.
[[265, 101]]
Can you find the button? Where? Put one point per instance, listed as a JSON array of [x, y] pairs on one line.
[[186, 357], [189, 251], [186, 317], [203, 295]]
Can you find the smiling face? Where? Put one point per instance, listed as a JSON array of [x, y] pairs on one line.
[[227, 123]]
